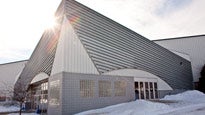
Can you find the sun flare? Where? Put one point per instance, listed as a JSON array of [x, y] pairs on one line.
[[50, 23]]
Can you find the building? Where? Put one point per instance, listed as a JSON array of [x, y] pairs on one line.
[[89, 61], [191, 47], [9, 73]]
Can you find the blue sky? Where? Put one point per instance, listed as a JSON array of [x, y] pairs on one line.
[[23, 21], [170, 6]]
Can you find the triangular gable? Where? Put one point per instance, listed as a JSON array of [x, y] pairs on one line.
[[71, 56]]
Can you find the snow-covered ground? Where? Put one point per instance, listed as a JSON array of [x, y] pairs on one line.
[[8, 108], [23, 114], [187, 103]]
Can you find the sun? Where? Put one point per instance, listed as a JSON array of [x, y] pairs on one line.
[[50, 23]]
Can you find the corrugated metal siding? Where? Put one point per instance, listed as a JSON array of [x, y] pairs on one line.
[[8, 74], [41, 59], [112, 46], [193, 45]]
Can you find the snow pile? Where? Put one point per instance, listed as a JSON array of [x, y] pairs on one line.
[[140, 107], [188, 96], [9, 108], [24, 114], [187, 103]]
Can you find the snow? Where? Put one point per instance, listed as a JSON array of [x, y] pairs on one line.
[[139, 107], [13, 109], [188, 96], [187, 103], [8, 108], [23, 114]]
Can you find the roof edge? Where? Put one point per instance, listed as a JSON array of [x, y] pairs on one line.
[[13, 62], [112, 20], [183, 37]]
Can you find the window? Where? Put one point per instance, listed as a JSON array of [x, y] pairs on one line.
[[155, 89], [142, 90], [147, 90], [44, 92], [151, 90], [44, 86], [120, 88], [86, 88], [105, 89], [54, 92]]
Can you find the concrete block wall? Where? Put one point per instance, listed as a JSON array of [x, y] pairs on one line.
[[72, 102], [55, 109]]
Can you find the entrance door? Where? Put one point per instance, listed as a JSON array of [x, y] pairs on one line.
[[146, 90]]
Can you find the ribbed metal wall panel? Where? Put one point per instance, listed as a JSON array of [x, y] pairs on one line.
[[41, 59], [193, 46], [112, 46], [9, 72]]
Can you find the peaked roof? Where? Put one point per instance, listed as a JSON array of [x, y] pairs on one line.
[[110, 46]]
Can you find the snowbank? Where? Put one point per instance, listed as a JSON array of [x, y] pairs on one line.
[[139, 107], [8, 109], [187, 103], [23, 114], [188, 96]]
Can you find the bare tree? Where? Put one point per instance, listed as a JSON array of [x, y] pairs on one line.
[[20, 94], [16, 93], [7, 89]]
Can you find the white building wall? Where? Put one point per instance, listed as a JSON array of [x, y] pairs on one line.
[[193, 46], [9, 74], [71, 55], [140, 75]]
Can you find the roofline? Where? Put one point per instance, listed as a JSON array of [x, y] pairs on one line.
[[179, 37], [112, 20], [59, 7], [13, 62]]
